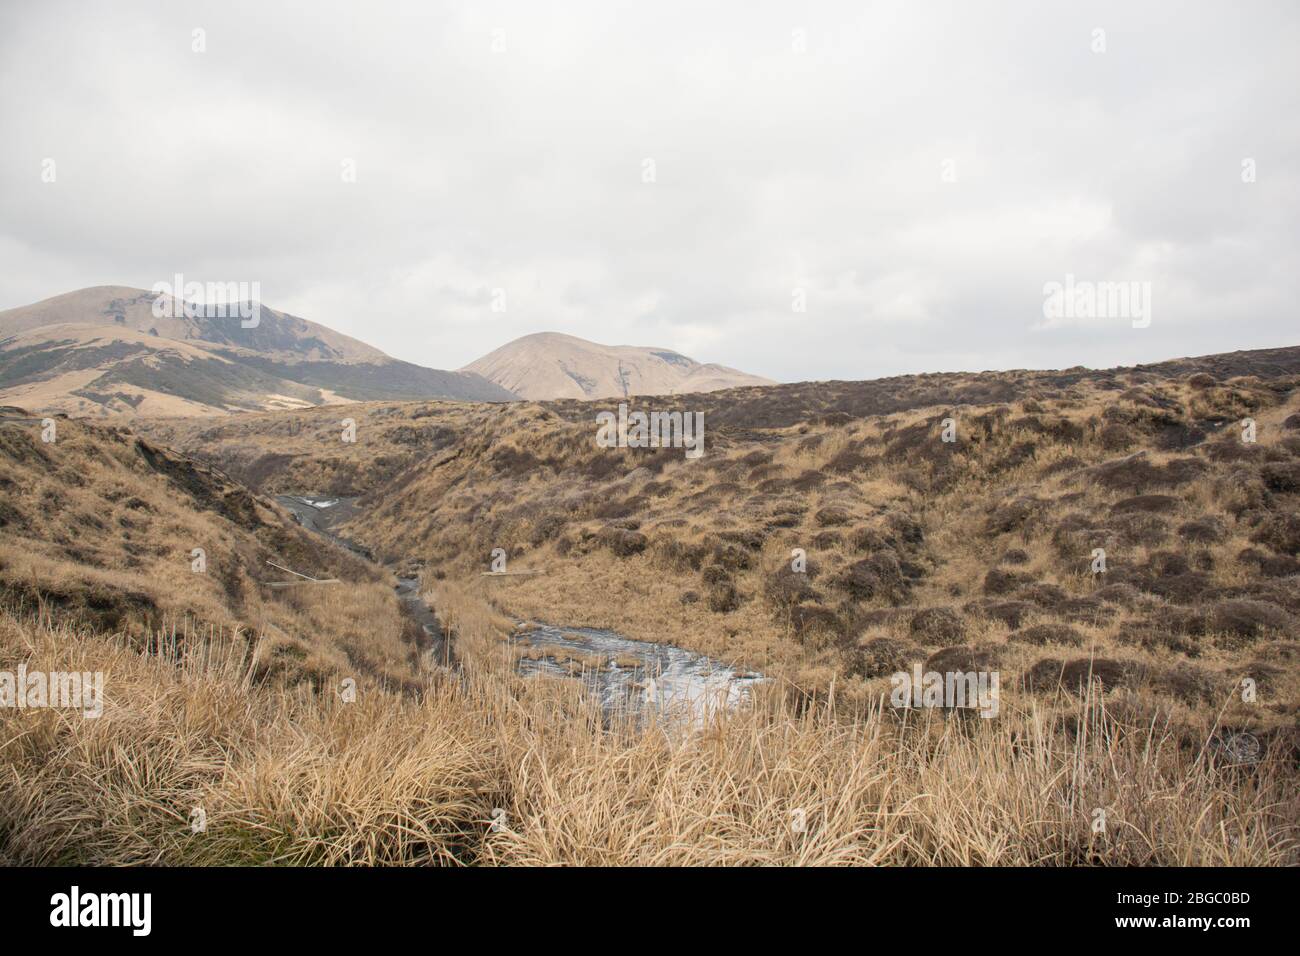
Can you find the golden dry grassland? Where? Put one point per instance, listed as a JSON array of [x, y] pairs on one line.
[[1124, 691]]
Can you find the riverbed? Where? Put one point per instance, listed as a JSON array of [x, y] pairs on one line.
[[628, 677]]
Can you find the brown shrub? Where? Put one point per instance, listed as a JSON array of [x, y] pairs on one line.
[[963, 658], [1207, 530], [876, 576], [1281, 532], [1154, 504], [1002, 581], [938, 625], [1050, 674], [1041, 634], [883, 656], [1241, 620], [1282, 476], [622, 542], [832, 516]]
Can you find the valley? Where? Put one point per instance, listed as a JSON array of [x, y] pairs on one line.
[[828, 539]]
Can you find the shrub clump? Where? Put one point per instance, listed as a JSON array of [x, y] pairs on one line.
[[938, 625], [883, 656], [622, 542], [1041, 634]]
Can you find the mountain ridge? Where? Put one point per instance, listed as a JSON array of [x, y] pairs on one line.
[[102, 351]]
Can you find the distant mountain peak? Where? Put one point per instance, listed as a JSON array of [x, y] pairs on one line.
[[104, 351], [549, 365]]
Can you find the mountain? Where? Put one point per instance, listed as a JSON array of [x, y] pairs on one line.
[[550, 365], [101, 351]]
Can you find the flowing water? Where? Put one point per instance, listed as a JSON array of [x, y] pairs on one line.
[[636, 676], [320, 513], [628, 677]]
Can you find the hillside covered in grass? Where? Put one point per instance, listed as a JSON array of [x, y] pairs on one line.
[[980, 549], [1132, 688], [102, 528]]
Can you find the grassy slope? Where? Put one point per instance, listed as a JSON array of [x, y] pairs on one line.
[[977, 550], [915, 546], [99, 527]]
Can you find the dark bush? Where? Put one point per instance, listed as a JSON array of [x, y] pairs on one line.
[[1282, 476], [938, 625], [832, 516], [1281, 532], [1155, 504], [1050, 674], [876, 576], [1242, 620], [621, 542], [1002, 581], [883, 656], [723, 598], [1207, 530], [1041, 634]]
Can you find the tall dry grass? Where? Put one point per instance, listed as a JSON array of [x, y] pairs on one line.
[[485, 767]]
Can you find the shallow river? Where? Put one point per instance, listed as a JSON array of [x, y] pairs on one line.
[[636, 676], [627, 676]]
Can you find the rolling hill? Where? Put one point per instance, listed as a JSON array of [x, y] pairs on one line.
[[550, 365], [102, 352]]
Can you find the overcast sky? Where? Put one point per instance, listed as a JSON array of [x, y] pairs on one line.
[[920, 170]]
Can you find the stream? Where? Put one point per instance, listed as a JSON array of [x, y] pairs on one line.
[[320, 513], [628, 677]]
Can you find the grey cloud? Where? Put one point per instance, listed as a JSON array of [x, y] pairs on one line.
[[522, 170]]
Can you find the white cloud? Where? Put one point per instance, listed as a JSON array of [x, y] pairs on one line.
[[776, 169]]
